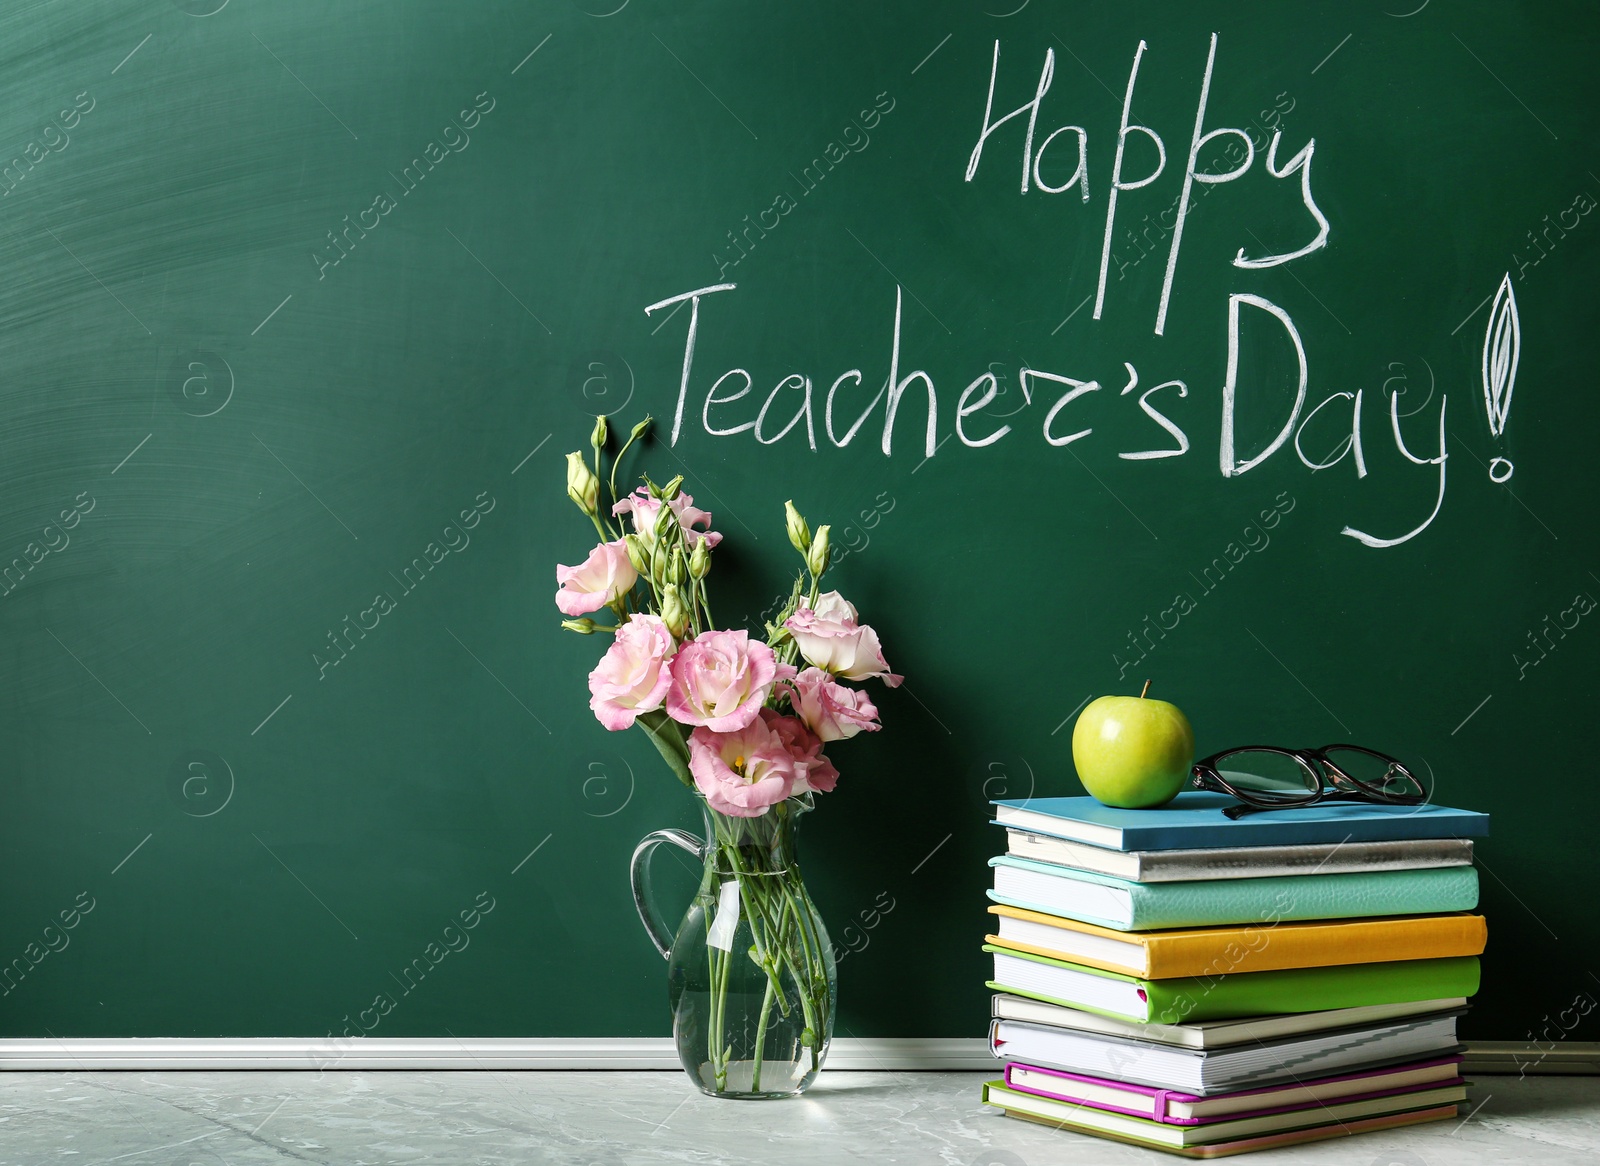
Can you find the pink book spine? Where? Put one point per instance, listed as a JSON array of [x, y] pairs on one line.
[[1155, 1107], [1158, 1099]]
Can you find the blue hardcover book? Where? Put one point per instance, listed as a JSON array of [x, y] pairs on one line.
[[1125, 906], [1195, 820]]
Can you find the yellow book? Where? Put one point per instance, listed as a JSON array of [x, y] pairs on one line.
[[1250, 947]]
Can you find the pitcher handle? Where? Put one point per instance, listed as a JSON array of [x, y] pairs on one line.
[[638, 875]]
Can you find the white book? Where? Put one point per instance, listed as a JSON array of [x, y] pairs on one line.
[[1215, 1034], [1181, 1109], [1063, 894], [1100, 993], [1227, 1070], [1240, 862]]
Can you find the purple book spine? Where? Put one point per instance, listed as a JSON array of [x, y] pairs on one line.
[[1159, 1098]]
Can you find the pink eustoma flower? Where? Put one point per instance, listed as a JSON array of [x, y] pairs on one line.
[[743, 772], [632, 677], [812, 771], [696, 523], [596, 581], [721, 680], [829, 709], [830, 637]]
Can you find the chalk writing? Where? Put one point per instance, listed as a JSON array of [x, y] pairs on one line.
[[1056, 160], [1242, 158], [1502, 346], [728, 407], [1266, 121]]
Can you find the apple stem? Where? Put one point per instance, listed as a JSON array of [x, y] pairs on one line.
[[1146, 690]]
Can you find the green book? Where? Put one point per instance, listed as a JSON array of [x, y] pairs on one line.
[[1193, 998]]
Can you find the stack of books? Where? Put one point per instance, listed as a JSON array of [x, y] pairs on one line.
[[1178, 980]]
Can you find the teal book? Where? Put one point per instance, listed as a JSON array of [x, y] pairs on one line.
[[1194, 820], [1127, 906]]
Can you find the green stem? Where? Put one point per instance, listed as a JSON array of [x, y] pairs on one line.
[[773, 993], [819, 981], [813, 978], [753, 895], [718, 1049], [705, 604], [606, 533], [813, 986], [724, 1045], [711, 991], [770, 946], [782, 923], [617, 461], [761, 1038], [808, 984]]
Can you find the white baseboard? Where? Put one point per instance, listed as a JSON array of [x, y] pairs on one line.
[[1524, 1060], [880, 1054], [313, 1054]]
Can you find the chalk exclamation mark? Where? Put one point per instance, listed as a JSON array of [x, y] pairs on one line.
[[1502, 345]]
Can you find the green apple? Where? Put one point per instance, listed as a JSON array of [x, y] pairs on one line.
[[1132, 752]]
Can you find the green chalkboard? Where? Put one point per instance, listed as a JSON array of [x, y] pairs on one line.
[[303, 304]]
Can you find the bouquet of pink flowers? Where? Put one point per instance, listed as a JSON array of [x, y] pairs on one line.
[[732, 715], [736, 717]]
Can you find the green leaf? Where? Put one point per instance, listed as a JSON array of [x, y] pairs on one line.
[[667, 736]]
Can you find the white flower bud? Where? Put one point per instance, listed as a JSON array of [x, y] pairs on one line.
[[582, 486], [700, 559], [638, 554], [674, 614], [799, 531], [818, 556]]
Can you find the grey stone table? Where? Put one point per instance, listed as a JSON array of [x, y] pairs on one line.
[[623, 1119]]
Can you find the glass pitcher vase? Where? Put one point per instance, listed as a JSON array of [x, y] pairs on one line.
[[750, 970]]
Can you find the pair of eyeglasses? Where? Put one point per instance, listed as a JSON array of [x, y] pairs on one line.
[[1264, 777]]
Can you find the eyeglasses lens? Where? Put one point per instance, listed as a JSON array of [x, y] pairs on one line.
[[1374, 773], [1268, 778]]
